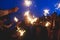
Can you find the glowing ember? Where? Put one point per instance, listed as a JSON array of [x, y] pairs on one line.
[[21, 31], [16, 19], [29, 18], [47, 24], [27, 3], [46, 11], [26, 13], [33, 20]]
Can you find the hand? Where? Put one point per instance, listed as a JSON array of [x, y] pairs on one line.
[[15, 9]]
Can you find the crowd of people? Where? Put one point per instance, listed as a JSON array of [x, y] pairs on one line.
[[33, 32]]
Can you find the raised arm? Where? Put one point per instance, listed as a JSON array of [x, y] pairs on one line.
[[6, 12]]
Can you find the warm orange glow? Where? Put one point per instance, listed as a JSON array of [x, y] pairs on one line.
[[57, 5], [33, 20], [15, 19], [29, 18], [47, 24], [27, 13], [21, 31]]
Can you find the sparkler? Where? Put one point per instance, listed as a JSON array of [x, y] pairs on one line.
[[47, 24], [27, 3], [46, 11], [16, 19], [29, 18], [21, 31]]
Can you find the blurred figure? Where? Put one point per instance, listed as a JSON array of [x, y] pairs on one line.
[[4, 16], [56, 35], [5, 23], [43, 34]]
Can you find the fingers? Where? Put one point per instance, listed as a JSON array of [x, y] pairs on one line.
[[15, 9]]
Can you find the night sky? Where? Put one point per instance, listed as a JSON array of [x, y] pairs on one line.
[[36, 8]]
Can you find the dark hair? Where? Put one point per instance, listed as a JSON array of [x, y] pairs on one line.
[[4, 17]]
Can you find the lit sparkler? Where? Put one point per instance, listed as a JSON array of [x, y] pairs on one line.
[[47, 24], [33, 20], [27, 3], [46, 11], [21, 31], [27, 13], [29, 18], [15, 19]]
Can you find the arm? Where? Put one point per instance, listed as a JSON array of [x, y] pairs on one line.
[[6, 12], [8, 26]]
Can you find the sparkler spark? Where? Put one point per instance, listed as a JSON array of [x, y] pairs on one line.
[[21, 31], [34, 20], [46, 11], [16, 19], [27, 3], [26, 13], [47, 24], [29, 18]]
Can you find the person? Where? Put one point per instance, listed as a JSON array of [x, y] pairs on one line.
[[43, 34], [5, 23], [4, 17]]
